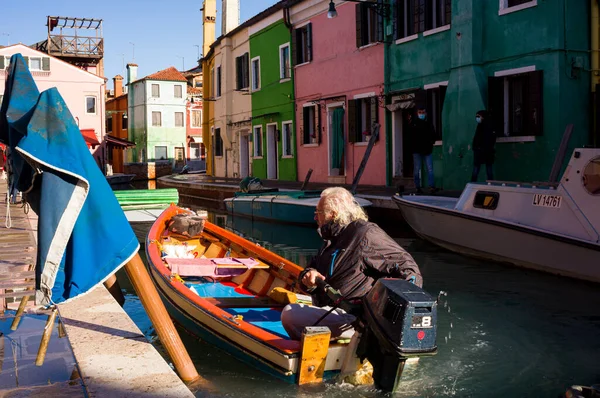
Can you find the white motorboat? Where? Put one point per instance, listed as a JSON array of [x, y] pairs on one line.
[[553, 227]]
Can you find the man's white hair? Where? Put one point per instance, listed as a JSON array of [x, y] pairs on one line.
[[346, 208]]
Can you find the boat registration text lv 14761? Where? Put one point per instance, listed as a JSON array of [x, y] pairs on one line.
[[547, 200]]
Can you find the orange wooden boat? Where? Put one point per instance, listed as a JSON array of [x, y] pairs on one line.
[[233, 312]]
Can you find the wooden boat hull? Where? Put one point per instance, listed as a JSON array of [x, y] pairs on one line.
[[247, 338], [500, 241]]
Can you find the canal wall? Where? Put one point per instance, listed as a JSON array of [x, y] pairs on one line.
[[148, 170]]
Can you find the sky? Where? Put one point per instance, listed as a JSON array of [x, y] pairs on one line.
[[164, 33]]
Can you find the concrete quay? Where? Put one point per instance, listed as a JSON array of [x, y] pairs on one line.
[[99, 350]]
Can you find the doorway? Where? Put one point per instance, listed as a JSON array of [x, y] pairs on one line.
[[401, 151], [272, 151], [336, 139], [244, 154]]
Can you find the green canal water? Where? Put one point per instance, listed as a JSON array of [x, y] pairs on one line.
[[502, 331]]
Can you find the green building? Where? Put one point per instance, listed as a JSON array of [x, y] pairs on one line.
[[525, 61], [273, 133]]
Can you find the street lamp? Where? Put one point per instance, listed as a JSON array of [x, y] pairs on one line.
[[379, 7]]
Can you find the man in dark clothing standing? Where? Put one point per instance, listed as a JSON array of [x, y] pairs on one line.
[[355, 254], [422, 134], [483, 146]]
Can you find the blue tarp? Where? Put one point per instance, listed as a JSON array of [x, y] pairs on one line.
[[83, 235]]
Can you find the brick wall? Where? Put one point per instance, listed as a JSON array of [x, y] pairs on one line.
[[148, 171]]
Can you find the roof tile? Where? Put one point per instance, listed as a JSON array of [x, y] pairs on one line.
[[170, 74]]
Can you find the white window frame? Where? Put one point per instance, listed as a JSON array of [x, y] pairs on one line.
[[166, 151], [253, 86], [283, 78], [182, 119], [316, 127], [504, 9], [30, 65], [284, 140], [95, 105], [254, 146], [192, 125], [218, 81], [175, 91], [505, 73], [152, 85]]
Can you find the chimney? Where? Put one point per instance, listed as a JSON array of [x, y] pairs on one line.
[[118, 85], [231, 15], [209, 21], [131, 73]]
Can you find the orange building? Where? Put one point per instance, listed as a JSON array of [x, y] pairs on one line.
[[116, 126]]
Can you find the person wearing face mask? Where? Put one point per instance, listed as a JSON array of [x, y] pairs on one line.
[[354, 255], [422, 137], [483, 146]]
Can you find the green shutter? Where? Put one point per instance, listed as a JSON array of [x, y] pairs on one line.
[[359, 40], [2, 64], [380, 22], [318, 123], [46, 63], [293, 51], [309, 41]]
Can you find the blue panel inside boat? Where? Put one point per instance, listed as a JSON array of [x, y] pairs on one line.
[[263, 317], [216, 290]]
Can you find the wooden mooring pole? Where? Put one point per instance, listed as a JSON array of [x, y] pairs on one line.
[[39, 361], [146, 291]]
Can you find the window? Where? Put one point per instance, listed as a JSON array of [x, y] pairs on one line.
[[311, 124], [160, 152], [90, 105], [155, 91], [156, 119], [194, 151], [302, 44], [591, 176], [508, 6], [213, 82], [178, 91], [416, 16], [362, 113], [109, 124], [369, 25], [178, 119], [35, 63], [218, 80], [196, 119], [515, 103], [256, 73], [257, 139], [435, 104], [287, 139], [242, 71], [284, 61], [124, 122], [218, 143]]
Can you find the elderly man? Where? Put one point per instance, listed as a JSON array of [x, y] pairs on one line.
[[355, 254]]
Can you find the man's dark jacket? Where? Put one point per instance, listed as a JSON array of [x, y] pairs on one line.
[[422, 136], [356, 256], [484, 142]]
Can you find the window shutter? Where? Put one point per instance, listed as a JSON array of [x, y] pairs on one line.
[[395, 17], [380, 22], [305, 120], [351, 120], [358, 11], [2, 64], [374, 110], [238, 68], [246, 70], [45, 63], [496, 103], [318, 123], [535, 118], [429, 22], [309, 41], [294, 51]]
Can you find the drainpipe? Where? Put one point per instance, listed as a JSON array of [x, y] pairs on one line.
[[288, 23], [595, 44]]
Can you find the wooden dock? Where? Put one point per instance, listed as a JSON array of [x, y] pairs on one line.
[[18, 253]]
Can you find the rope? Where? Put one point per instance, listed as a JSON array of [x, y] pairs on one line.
[[8, 223]]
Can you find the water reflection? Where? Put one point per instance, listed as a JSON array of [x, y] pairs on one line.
[[502, 331]]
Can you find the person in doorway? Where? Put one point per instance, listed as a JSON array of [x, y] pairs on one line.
[[483, 145], [355, 254], [422, 135]]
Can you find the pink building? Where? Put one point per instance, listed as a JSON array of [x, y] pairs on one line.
[[82, 91], [339, 75], [195, 151]]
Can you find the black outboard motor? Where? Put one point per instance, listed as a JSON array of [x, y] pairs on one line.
[[400, 321], [185, 169]]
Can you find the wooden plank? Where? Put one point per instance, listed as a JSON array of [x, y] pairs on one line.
[[17, 275], [12, 284], [244, 302], [17, 294], [15, 268], [315, 346]]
